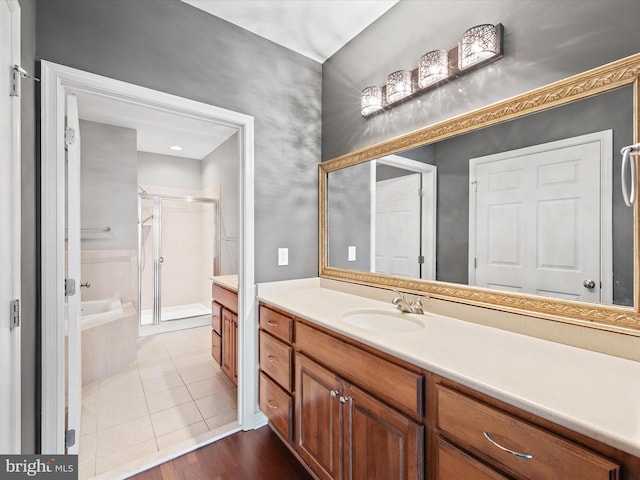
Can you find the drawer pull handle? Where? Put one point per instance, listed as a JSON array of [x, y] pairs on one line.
[[273, 358], [271, 323], [271, 405], [517, 454]]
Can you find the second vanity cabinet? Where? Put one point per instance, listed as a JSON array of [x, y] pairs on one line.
[[225, 347], [351, 411]]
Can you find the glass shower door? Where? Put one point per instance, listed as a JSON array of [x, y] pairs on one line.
[[178, 245]]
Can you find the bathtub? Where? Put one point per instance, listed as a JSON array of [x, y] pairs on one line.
[[109, 333], [96, 310]]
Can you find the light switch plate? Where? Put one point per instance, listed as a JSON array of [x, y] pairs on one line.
[[283, 256], [351, 256]]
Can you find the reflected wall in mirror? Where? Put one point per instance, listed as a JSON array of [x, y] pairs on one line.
[[527, 201]]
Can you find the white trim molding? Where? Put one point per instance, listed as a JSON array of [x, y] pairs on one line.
[[57, 80]]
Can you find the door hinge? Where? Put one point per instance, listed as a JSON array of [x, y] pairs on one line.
[[69, 287], [15, 314], [69, 136], [69, 438], [16, 73], [475, 185], [421, 192], [420, 258], [475, 263]]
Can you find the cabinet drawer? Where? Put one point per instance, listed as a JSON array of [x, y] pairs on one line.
[[216, 347], [392, 383], [275, 360], [475, 425], [277, 406], [276, 324], [225, 297], [454, 464]]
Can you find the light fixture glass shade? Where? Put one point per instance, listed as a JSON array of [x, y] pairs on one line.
[[434, 66], [370, 100], [477, 44], [398, 85]]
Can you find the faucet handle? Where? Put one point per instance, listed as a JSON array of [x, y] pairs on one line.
[[416, 305], [399, 298]]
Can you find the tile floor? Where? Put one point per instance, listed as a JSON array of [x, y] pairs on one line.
[[174, 391]]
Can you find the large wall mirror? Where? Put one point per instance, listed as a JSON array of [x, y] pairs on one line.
[[516, 206]]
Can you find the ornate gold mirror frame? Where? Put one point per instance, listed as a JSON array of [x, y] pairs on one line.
[[614, 318]]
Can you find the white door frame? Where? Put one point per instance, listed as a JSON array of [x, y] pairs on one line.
[[429, 198], [605, 138], [14, 417], [56, 81]]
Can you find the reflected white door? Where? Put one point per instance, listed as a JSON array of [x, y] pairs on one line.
[[537, 216], [9, 230], [398, 226], [74, 357]]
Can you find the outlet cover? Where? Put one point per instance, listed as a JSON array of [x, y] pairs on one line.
[[283, 256], [351, 256]]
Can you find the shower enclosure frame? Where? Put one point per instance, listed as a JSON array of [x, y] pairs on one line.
[[157, 245]]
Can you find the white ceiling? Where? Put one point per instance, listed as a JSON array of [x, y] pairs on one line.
[[157, 130], [314, 28]]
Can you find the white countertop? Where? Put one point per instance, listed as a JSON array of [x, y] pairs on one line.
[[229, 281], [591, 393]]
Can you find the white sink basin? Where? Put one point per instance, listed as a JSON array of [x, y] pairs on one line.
[[377, 320]]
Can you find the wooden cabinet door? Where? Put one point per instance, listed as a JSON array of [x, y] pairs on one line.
[[234, 361], [379, 442], [228, 344], [317, 422]]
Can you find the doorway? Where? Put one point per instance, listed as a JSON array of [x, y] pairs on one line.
[[58, 80]]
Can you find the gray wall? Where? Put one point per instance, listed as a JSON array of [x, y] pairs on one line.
[[221, 170], [545, 40], [109, 191], [173, 47], [169, 171], [30, 242], [349, 217]]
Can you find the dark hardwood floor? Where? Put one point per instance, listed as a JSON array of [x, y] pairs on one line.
[[253, 455]]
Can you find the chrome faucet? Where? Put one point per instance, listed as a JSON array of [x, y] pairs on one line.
[[405, 306]]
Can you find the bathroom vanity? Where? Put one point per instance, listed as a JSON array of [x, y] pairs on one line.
[[358, 390], [224, 324]]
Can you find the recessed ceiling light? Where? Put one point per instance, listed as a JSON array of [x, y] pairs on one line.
[[177, 148]]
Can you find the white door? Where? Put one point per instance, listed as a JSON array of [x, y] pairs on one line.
[[398, 226], [538, 220], [9, 230], [74, 357]]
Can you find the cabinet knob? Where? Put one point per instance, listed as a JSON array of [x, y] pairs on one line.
[[271, 323], [335, 393], [504, 449], [272, 358], [271, 405], [345, 399]]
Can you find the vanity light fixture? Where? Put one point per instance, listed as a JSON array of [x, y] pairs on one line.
[[398, 85], [434, 67], [479, 46], [371, 100]]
